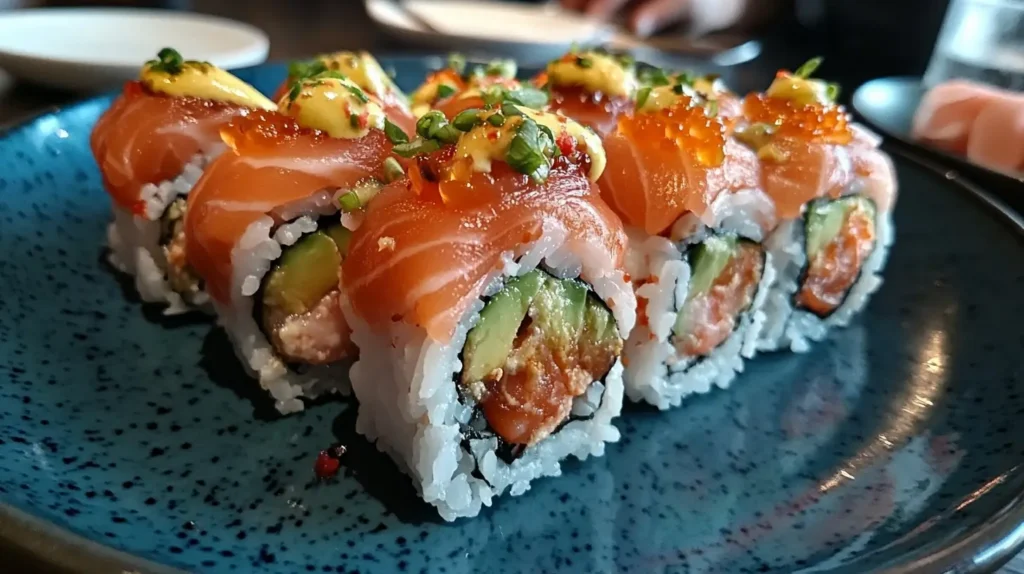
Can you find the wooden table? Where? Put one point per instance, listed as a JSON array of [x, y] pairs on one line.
[[299, 29]]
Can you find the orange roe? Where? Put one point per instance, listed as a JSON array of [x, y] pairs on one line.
[[815, 122], [685, 126]]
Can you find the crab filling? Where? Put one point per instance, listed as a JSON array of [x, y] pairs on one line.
[[299, 308], [540, 343], [181, 278]]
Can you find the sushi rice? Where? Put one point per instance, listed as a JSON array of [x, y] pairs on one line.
[[410, 406], [134, 240]]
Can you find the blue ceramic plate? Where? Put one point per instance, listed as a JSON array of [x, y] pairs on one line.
[[130, 439]]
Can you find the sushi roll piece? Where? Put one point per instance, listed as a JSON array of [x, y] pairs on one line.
[[487, 296], [834, 191], [263, 230], [363, 70], [690, 195], [151, 147], [592, 87]]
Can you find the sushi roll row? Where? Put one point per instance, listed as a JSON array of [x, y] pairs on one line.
[[492, 265]]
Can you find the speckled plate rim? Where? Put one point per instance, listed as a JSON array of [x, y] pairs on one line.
[[983, 549]]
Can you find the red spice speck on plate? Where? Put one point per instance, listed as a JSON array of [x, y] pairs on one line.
[[328, 462]]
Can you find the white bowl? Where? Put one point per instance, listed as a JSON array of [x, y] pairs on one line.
[[97, 48]]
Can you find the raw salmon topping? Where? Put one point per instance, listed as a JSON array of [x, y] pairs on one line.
[[684, 125], [834, 267]]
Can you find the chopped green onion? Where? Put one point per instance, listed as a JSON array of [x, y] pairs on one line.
[[510, 110], [584, 62], [168, 60], [686, 78], [353, 120], [712, 108], [810, 66], [457, 62], [496, 120], [654, 77], [642, 96], [526, 96], [415, 147], [679, 89], [392, 170], [396, 134], [467, 120], [526, 153], [625, 61], [358, 93], [832, 91], [444, 91], [501, 68], [426, 123], [295, 90], [360, 195], [300, 70]]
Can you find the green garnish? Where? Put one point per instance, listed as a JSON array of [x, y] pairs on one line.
[[642, 96], [810, 66], [358, 93], [170, 62], [832, 91], [526, 96], [300, 70], [496, 120], [654, 77], [686, 78], [467, 120], [510, 110], [501, 68], [396, 134], [712, 108], [294, 91], [434, 126], [457, 62], [444, 91], [530, 150], [584, 62], [360, 195], [353, 120], [415, 147], [679, 89], [392, 170]]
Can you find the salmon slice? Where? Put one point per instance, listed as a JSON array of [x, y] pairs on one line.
[[833, 270], [664, 164], [149, 138], [596, 111], [798, 171], [997, 135], [947, 112], [272, 162], [426, 251]]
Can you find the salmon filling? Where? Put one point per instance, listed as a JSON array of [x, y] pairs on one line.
[[299, 304], [724, 275], [181, 278], [841, 235], [540, 343]]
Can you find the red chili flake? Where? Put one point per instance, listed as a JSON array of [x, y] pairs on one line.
[[139, 208], [566, 143], [328, 462], [364, 120]]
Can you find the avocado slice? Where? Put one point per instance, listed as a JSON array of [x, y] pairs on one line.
[[708, 260], [825, 218], [305, 273], [491, 340], [341, 236]]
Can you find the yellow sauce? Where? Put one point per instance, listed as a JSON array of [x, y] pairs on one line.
[[485, 143], [205, 81], [801, 91], [664, 97], [602, 73], [333, 105], [363, 69], [427, 95]]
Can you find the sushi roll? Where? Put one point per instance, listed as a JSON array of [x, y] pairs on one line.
[[834, 191], [690, 195], [263, 230], [592, 87], [363, 70], [151, 147], [487, 296]]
